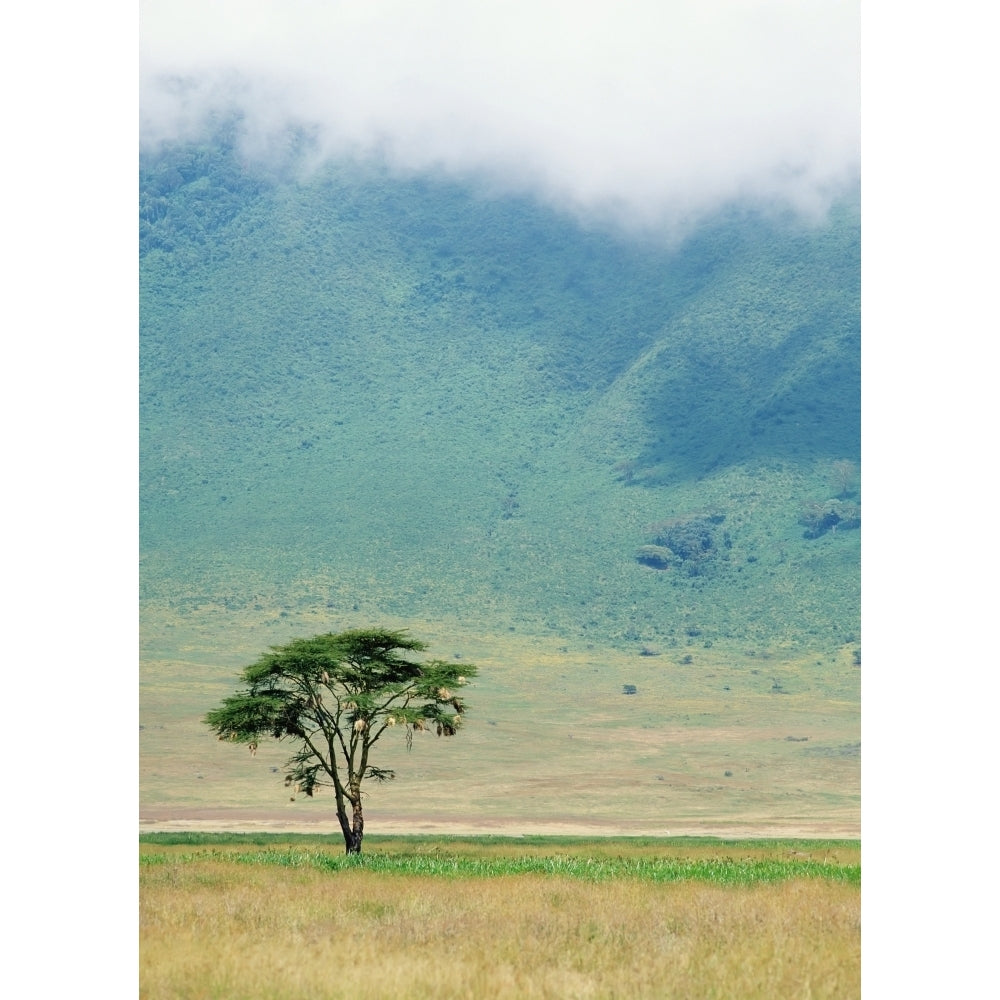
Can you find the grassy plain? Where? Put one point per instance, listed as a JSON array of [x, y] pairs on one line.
[[734, 743], [283, 917]]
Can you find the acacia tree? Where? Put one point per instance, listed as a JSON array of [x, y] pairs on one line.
[[335, 696]]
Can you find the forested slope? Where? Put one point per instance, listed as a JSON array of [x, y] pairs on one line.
[[396, 396]]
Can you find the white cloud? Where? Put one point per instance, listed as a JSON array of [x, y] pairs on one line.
[[652, 110]]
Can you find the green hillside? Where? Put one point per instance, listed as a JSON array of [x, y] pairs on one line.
[[366, 396]]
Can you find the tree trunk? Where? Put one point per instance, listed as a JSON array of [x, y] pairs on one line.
[[358, 829], [353, 846], [353, 832]]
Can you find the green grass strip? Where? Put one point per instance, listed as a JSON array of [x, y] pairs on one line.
[[451, 841], [717, 871]]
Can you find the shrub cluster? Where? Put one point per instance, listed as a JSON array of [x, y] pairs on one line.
[[819, 518], [687, 541]]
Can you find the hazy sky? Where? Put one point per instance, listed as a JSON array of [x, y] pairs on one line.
[[652, 111]]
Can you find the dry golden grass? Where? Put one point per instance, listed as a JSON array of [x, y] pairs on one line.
[[208, 929]]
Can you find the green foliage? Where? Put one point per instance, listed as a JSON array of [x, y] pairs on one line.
[[188, 193], [335, 695], [687, 540]]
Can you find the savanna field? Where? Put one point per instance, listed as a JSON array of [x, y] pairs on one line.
[[437, 917], [621, 477]]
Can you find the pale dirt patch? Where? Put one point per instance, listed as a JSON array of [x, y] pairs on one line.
[[165, 819]]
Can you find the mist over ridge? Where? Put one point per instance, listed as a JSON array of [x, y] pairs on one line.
[[646, 116]]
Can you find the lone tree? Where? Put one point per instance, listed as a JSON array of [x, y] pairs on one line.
[[842, 474], [334, 696]]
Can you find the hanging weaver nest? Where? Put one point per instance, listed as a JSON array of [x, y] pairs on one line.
[[360, 726]]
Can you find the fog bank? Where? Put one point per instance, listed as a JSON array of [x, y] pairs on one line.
[[647, 113]]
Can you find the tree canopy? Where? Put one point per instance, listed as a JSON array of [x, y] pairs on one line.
[[334, 696]]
